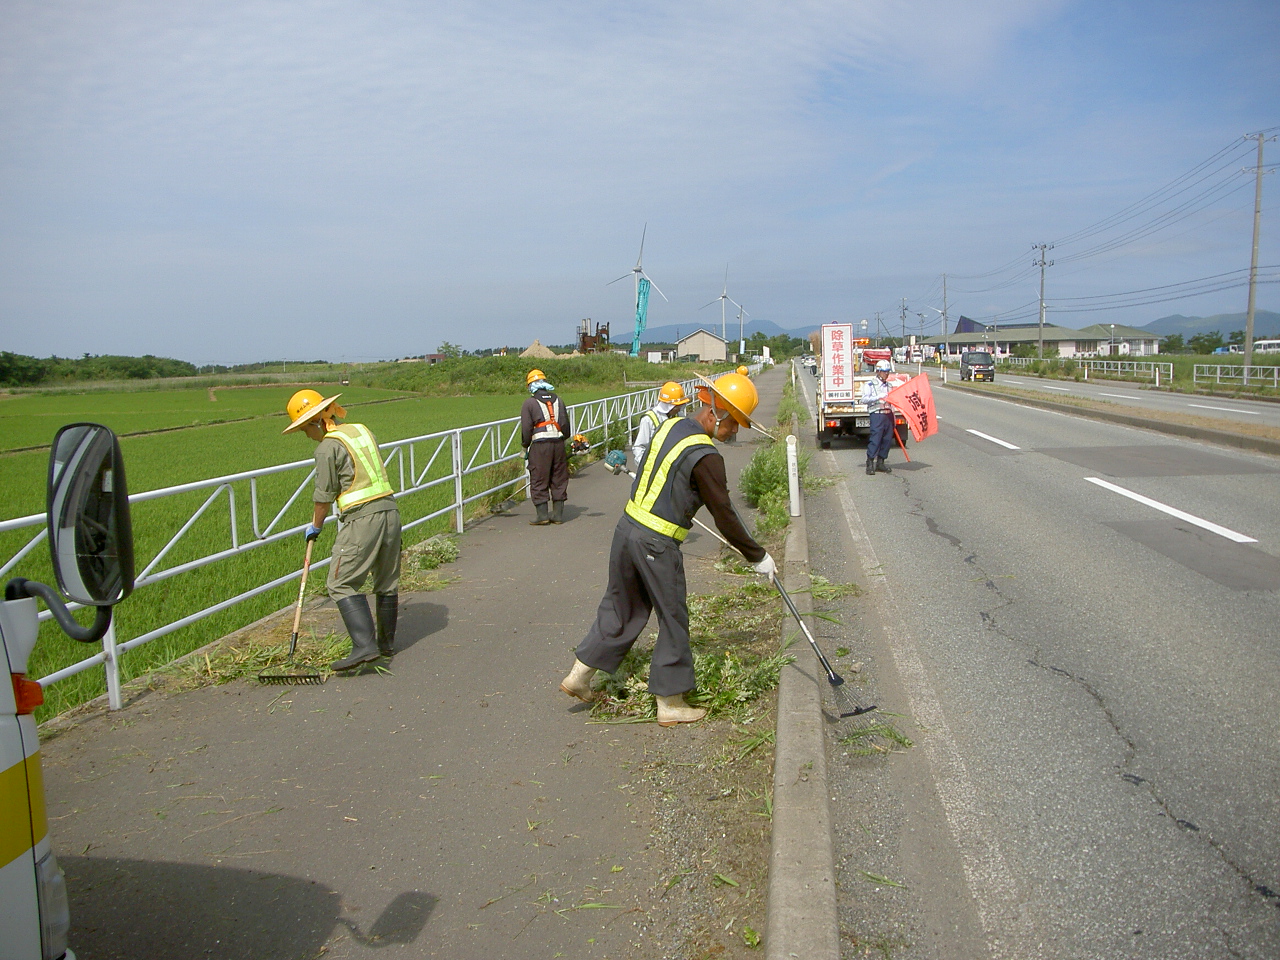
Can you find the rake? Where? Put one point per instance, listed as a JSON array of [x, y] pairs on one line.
[[288, 673]]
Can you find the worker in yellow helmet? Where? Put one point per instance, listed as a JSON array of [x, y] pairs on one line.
[[349, 472], [544, 428], [681, 472], [743, 370], [671, 402]]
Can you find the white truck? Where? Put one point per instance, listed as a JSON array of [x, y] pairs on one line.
[[846, 365], [91, 546]]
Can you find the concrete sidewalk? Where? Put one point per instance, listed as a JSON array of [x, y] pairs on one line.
[[458, 806]]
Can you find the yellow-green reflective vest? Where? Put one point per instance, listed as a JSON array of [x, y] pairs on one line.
[[663, 498], [370, 481]]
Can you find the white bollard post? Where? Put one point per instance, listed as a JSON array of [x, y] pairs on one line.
[[112, 667], [793, 475]]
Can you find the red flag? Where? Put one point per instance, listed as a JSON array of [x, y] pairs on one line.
[[914, 400]]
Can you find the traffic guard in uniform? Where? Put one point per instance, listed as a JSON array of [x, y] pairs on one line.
[[349, 472], [681, 472], [880, 415]]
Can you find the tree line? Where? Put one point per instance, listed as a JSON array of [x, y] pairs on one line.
[[17, 370]]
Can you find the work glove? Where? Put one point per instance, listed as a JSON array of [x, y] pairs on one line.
[[766, 567], [312, 532], [526, 454]]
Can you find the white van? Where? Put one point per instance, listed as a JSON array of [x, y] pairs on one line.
[[91, 545]]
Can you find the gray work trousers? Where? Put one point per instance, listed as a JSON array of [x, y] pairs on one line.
[[646, 573], [367, 546]]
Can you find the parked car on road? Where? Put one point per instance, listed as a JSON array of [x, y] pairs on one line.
[[977, 365]]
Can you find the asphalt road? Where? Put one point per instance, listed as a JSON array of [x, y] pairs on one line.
[[1093, 683], [1261, 412]]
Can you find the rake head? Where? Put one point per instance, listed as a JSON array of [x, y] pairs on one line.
[[282, 675]]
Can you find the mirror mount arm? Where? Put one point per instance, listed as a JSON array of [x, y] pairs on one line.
[[19, 588]]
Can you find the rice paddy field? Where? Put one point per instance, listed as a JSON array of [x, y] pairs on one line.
[[183, 435]]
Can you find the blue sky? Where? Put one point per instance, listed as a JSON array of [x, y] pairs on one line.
[[238, 181]]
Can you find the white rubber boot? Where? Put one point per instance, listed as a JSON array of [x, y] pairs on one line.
[[673, 710], [578, 682]]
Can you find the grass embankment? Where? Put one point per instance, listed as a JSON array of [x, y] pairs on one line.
[[1183, 373]]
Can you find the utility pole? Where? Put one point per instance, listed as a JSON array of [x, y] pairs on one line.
[[1253, 263], [1041, 263], [946, 345], [877, 328], [904, 323]]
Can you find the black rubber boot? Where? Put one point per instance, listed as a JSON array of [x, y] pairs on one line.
[[882, 467], [542, 519], [387, 609], [871, 468], [359, 623], [557, 511]]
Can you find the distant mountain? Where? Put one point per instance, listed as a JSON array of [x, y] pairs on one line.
[[1266, 323], [672, 332]]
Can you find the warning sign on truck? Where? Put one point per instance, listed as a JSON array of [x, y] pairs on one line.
[[837, 361]]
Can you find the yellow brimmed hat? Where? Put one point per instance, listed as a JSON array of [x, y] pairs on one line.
[[305, 405], [734, 393]]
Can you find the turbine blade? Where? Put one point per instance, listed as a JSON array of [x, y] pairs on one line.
[[640, 259], [705, 305], [655, 286], [623, 277]]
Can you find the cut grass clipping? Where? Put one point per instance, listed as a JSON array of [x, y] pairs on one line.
[[733, 665], [243, 662]]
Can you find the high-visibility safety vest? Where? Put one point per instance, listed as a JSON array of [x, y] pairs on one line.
[[663, 497], [370, 481], [548, 429]]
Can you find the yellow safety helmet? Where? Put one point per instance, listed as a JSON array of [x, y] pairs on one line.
[[534, 375], [672, 393], [743, 370], [305, 405], [734, 393]]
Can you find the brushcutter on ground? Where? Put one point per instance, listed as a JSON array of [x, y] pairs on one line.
[[288, 673]]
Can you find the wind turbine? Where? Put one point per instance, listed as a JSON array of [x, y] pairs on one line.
[[643, 283], [724, 295]]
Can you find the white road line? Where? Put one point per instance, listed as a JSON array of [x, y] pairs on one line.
[[1205, 406], [1174, 512], [1008, 923], [1063, 389], [1003, 443], [1121, 396]]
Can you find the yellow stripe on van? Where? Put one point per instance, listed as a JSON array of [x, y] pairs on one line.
[[22, 815]]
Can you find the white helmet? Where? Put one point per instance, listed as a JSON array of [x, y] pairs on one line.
[[883, 366]]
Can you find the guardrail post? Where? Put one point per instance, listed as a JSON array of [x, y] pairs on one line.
[[456, 443], [112, 667], [793, 475]]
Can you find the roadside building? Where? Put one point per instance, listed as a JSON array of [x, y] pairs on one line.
[[702, 345], [1097, 340]]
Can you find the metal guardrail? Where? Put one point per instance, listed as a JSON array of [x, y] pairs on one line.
[[417, 465], [1237, 375], [1123, 369]]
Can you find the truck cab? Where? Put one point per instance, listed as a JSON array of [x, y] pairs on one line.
[[91, 548]]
